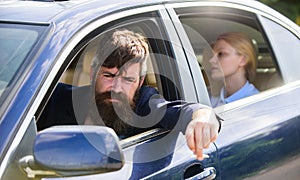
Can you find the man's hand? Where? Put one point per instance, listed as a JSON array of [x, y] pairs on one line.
[[201, 131]]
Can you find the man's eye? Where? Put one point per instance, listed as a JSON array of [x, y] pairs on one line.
[[129, 80], [108, 75]]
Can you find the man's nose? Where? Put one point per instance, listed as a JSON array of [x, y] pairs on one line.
[[117, 85]]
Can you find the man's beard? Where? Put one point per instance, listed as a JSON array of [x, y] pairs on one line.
[[116, 115]]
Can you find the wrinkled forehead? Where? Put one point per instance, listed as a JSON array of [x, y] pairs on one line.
[[130, 69]]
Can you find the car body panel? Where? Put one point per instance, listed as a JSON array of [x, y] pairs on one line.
[[45, 64], [264, 137], [254, 128], [259, 134]]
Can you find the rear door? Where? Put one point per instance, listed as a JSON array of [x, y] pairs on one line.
[[260, 136]]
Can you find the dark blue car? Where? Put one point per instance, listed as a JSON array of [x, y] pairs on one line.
[[44, 43]]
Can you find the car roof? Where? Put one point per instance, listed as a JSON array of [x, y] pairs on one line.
[[48, 11]]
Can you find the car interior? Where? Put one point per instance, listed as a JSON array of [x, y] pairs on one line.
[[267, 72], [78, 73]]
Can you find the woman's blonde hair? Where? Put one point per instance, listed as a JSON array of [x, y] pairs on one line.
[[244, 46]]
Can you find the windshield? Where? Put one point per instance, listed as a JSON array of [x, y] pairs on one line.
[[16, 41]]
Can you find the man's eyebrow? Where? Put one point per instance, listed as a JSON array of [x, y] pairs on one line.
[[130, 77], [116, 74], [108, 72]]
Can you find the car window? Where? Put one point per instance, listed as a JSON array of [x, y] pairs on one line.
[[158, 64], [285, 47], [78, 73], [16, 41], [209, 26]]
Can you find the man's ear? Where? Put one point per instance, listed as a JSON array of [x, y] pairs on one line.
[[142, 78]]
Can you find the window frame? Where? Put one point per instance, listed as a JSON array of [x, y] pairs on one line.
[[163, 63], [222, 12]]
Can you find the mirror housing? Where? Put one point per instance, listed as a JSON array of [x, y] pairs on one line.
[[78, 150]]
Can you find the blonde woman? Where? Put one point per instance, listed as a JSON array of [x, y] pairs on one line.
[[234, 62]]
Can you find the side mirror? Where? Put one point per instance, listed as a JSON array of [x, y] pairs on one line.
[[78, 150]]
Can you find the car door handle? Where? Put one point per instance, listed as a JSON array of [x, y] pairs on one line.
[[206, 174]]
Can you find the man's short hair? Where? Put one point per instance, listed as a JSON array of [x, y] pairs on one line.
[[119, 48]]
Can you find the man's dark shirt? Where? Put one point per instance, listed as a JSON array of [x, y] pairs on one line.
[[69, 105]]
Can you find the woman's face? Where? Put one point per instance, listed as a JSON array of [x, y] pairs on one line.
[[226, 62]]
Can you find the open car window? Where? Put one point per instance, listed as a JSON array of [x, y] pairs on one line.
[[210, 26], [78, 73]]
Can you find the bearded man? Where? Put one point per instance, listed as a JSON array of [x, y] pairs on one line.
[[118, 100]]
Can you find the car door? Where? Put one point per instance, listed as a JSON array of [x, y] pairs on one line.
[[260, 134], [154, 154], [158, 153]]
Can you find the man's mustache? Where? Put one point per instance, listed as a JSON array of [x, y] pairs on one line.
[[111, 95]]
